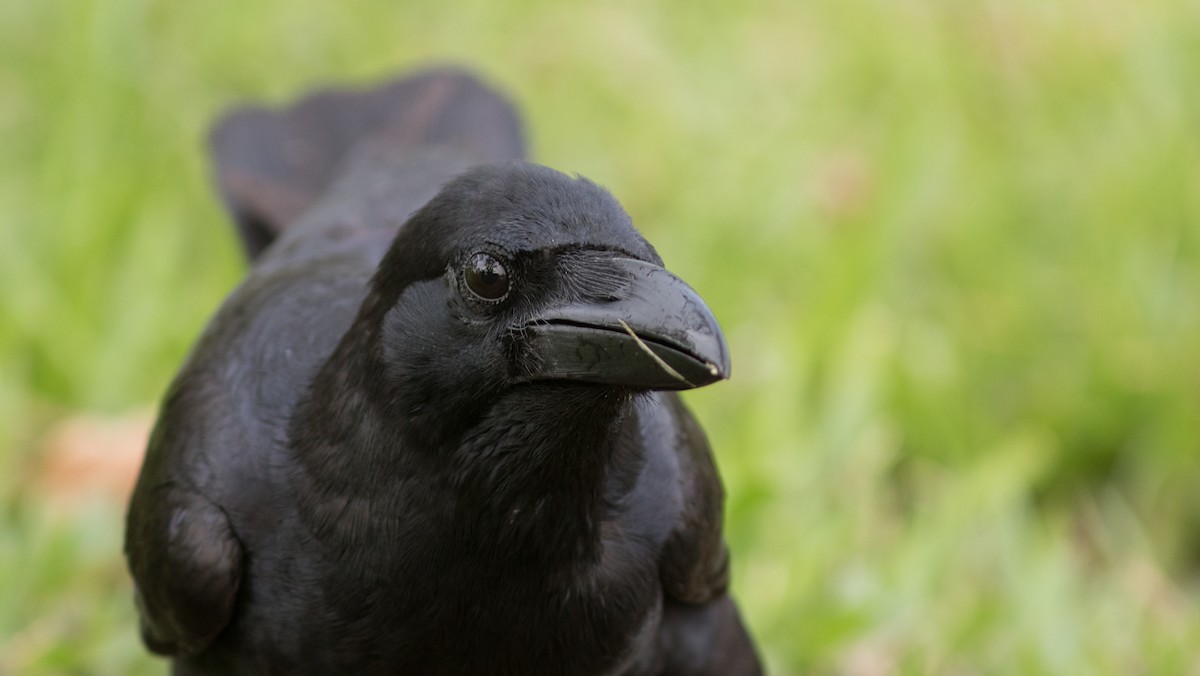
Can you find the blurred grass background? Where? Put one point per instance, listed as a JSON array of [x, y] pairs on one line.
[[955, 245]]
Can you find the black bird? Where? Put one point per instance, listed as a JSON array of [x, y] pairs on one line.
[[432, 432]]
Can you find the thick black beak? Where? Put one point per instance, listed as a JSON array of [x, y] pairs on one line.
[[648, 330]]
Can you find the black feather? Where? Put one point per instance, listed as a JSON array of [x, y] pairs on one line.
[[363, 468]]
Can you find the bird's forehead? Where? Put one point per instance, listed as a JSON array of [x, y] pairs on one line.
[[525, 236], [520, 238]]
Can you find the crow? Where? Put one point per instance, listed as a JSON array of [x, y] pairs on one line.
[[434, 430]]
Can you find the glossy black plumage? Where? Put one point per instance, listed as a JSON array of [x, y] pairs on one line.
[[364, 467]]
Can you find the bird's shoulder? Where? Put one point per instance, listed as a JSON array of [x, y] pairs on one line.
[[227, 409]]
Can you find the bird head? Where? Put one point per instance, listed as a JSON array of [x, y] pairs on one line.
[[517, 275]]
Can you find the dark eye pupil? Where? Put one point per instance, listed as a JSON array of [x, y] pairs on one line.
[[486, 277]]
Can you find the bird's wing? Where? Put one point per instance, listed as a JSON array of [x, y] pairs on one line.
[[701, 633], [186, 563], [695, 562]]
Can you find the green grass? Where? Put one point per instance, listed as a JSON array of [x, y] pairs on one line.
[[955, 246]]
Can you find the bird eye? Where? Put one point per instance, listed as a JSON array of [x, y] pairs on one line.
[[486, 277]]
